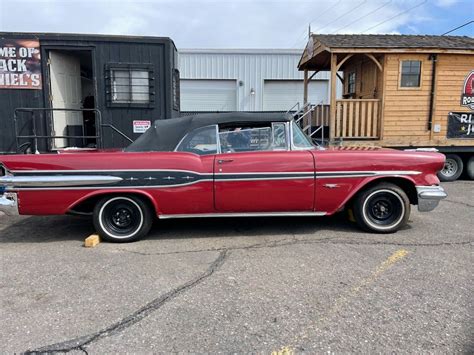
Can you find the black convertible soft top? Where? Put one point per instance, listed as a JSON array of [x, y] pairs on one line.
[[165, 135]]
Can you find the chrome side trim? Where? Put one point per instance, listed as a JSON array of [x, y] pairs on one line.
[[352, 174], [58, 181], [266, 178], [269, 173], [99, 170], [319, 174], [429, 197], [244, 214], [9, 204], [108, 187]]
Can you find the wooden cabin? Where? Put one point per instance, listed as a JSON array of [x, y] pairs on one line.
[[399, 90]]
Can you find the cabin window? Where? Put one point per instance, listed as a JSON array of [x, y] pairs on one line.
[[245, 139], [410, 74], [201, 141], [279, 136], [130, 85], [299, 139], [351, 83]]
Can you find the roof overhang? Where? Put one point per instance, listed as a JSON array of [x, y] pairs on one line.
[[317, 56]]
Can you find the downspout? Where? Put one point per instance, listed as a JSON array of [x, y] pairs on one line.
[[434, 59]]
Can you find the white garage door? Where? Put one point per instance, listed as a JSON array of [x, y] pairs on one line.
[[208, 95], [281, 95]]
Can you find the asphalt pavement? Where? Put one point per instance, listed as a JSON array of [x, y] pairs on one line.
[[242, 285]]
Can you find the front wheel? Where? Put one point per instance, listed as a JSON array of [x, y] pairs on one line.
[[122, 218], [384, 208]]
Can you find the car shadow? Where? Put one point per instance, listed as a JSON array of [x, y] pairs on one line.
[[41, 229], [251, 226]]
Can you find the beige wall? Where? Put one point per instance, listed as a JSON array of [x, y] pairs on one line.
[[406, 110]]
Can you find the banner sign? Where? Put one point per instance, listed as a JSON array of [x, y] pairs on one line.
[[467, 96], [20, 64], [141, 126], [461, 125]]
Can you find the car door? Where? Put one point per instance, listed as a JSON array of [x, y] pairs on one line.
[[256, 176]]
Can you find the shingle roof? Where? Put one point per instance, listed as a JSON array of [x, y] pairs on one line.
[[395, 41]]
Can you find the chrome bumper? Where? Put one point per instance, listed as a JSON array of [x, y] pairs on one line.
[[429, 197], [9, 204]]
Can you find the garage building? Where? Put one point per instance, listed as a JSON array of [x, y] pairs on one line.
[[216, 80]]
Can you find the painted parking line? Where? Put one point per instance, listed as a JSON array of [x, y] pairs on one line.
[[344, 299], [286, 350]]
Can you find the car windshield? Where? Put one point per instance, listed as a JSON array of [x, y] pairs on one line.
[[300, 140]]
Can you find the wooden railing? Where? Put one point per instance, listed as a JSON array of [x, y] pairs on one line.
[[357, 118], [320, 115]]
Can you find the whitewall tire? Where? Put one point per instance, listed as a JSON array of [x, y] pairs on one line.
[[122, 218], [383, 208]]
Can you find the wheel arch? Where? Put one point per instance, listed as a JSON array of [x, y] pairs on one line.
[[406, 184], [86, 204]]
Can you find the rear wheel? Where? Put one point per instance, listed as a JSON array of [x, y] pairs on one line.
[[122, 218], [470, 168], [452, 169], [383, 208]]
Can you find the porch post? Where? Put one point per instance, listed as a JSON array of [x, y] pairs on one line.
[[332, 111], [305, 90]]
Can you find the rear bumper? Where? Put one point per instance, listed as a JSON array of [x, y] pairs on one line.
[[429, 197], [9, 204]]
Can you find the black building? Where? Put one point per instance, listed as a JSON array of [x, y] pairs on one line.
[[122, 81]]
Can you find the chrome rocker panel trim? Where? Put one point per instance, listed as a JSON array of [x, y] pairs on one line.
[[9, 204], [243, 214], [429, 197], [58, 181]]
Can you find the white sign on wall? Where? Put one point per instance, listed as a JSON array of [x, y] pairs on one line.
[[141, 126]]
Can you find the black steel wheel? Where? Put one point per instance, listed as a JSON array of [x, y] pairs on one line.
[[122, 218], [453, 167], [383, 208]]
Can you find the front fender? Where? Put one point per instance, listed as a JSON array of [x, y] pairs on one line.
[[333, 194]]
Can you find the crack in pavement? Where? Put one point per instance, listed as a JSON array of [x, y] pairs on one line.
[[293, 241], [458, 203], [80, 343]]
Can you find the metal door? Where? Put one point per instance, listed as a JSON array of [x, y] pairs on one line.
[[267, 181], [65, 76]]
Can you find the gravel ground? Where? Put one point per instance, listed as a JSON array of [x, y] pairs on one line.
[[242, 285]]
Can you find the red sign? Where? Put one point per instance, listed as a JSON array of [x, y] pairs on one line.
[[20, 64], [467, 97], [141, 126]]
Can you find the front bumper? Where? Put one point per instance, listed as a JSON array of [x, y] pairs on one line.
[[9, 204], [429, 197]]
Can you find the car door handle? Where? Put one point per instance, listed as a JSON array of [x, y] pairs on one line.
[[223, 161]]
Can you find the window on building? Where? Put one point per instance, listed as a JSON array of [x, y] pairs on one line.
[[130, 85], [176, 89], [410, 74], [351, 83]]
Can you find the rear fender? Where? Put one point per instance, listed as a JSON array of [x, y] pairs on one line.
[[100, 194]]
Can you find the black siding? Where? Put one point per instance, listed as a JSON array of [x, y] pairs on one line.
[[156, 51]]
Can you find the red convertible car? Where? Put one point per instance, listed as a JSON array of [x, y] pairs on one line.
[[221, 165]]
